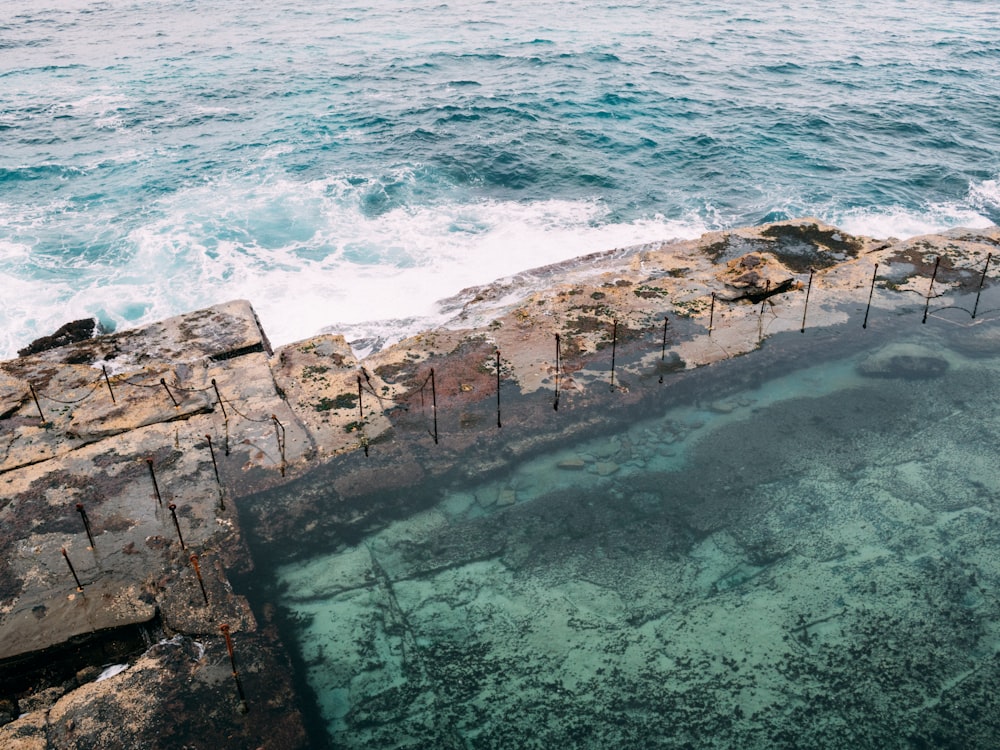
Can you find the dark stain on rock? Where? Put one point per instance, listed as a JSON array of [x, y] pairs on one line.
[[70, 333]]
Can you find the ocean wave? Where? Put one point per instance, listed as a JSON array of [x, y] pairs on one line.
[[901, 223], [369, 167], [308, 255], [985, 196], [313, 255]]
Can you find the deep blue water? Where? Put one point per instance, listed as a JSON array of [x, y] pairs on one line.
[[342, 164]]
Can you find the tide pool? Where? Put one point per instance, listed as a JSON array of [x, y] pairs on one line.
[[788, 556]]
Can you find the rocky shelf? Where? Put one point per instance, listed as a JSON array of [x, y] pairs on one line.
[[135, 466]]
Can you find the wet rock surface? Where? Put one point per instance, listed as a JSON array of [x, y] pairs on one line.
[[78, 330]]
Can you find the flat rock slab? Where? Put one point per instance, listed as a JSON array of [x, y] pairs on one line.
[[339, 404], [219, 332], [180, 693], [35, 626]]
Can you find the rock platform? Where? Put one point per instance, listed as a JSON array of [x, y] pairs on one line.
[[132, 463]]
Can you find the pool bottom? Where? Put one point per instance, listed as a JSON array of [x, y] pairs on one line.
[[810, 563]]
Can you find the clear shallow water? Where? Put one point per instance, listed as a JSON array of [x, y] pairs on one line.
[[351, 164], [784, 557]]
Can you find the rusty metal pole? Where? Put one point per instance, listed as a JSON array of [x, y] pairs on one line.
[[163, 382], [225, 414], [760, 317], [806, 308], [86, 524], [498, 388], [107, 381], [361, 410], [79, 586], [34, 397], [555, 404], [177, 525], [215, 467], [232, 661], [982, 280], [930, 289], [663, 347], [614, 348], [279, 434], [434, 406], [197, 572]]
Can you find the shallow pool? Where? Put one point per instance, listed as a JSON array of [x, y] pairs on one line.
[[803, 558]]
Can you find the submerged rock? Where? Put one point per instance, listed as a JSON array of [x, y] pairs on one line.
[[506, 497], [905, 361], [606, 468]]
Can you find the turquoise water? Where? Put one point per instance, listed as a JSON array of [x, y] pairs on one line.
[[794, 548], [340, 165]]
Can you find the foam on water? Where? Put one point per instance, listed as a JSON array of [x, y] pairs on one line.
[[897, 221], [337, 166], [308, 257]]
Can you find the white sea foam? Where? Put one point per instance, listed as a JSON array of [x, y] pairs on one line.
[[311, 259], [13, 252], [307, 260], [986, 195], [901, 223]]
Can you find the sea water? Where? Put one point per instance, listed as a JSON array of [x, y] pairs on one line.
[[782, 556], [344, 164]]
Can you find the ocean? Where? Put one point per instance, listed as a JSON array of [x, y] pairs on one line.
[[344, 167]]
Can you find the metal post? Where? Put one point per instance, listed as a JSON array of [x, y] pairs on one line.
[[614, 347], [434, 406], [232, 661], [982, 280], [663, 347], [219, 399], [86, 524], [930, 289], [79, 586], [555, 404], [760, 317], [279, 433], [177, 525], [498, 388], [156, 487], [34, 397], [806, 308], [197, 572], [361, 411], [225, 414], [870, 293], [107, 381], [215, 467], [163, 382]]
